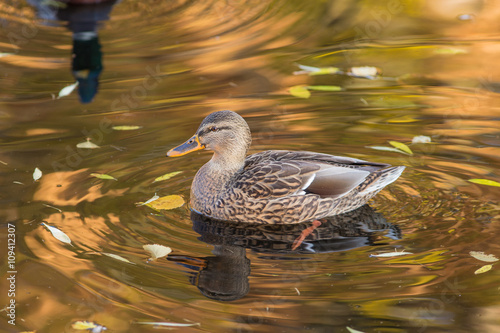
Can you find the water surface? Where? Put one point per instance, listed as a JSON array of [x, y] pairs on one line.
[[165, 66]]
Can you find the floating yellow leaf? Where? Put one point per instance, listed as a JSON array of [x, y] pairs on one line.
[[103, 176], [67, 90], [126, 127], [479, 255], [37, 174], [166, 176], [167, 202], [485, 182], [87, 144], [58, 234], [157, 250], [483, 269], [87, 325], [401, 146], [300, 91], [83, 325], [316, 70], [117, 257], [449, 51], [167, 324], [325, 88]]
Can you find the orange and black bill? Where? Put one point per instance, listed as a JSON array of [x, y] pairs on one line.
[[193, 144]]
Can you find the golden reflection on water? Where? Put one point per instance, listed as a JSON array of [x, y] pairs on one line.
[[439, 78]]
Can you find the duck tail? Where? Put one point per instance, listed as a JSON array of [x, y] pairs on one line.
[[381, 179]]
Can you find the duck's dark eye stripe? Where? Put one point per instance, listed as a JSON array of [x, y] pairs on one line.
[[214, 129]]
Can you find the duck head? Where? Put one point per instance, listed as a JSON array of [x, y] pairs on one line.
[[226, 133]]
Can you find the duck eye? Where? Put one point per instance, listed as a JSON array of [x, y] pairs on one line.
[[214, 129]]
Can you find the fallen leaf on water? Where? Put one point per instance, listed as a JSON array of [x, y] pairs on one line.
[[37, 174], [390, 254], [352, 330], [166, 203], [103, 176], [155, 197], [485, 182], [126, 127], [383, 148], [87, 325], [58, 234], [483, 269], [157, 251], [167, 324], [16, 182], [4, 163], [421, 139], [60, 211], [325, 88], [450, 50], [401, 146], [300, 91], [310, 70], [67, 90], [115, 256], [368, 72], [166, 176], [87, 144], [479, 255]]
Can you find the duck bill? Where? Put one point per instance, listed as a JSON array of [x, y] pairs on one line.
[[193, 144]]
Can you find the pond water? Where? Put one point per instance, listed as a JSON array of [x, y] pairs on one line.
[[433, 71]]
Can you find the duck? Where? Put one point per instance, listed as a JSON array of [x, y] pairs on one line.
[[274, 186]]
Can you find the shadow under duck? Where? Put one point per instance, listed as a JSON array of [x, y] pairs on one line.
[[275, 186]]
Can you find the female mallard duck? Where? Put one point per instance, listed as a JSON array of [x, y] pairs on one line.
[[275, 186]]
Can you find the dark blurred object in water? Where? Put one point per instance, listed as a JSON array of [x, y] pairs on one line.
[[224, 276], [83, 18]]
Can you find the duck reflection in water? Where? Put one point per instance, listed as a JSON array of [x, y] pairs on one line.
[[224, 276], [83, 18]]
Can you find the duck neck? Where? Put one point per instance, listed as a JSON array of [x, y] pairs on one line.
[[213, 177], [228, 163]]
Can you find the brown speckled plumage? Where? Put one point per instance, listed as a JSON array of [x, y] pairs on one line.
[[275, 186]]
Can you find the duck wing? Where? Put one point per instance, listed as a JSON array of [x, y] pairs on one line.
[[276, 173]]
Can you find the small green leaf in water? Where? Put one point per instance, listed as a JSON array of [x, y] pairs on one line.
[[103, 176], [126, 128], [483, 269], [300, 91], [325, 88], [167, 176], [401, 146], [485, 182]]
